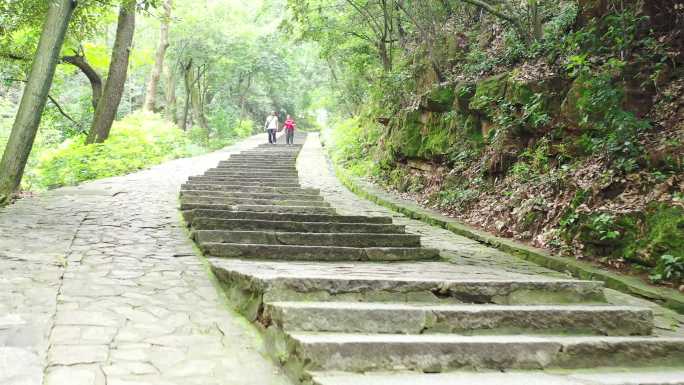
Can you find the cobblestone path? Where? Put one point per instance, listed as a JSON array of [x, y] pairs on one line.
[[100, 285], [347, 295]]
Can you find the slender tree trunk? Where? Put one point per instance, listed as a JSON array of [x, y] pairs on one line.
[[196, 98], [171, 109], [95, 80], [118, 69], [151, 94], [187, 81], [34, 97]]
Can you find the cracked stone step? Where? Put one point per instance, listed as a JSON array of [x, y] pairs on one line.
[[249, 189], [425, 282], [401, 318], [317, 253], [253, 195], [248, 201], [443, 352], [308, 239], [259, 208], [294, 226], [603, 377], [346, 219]]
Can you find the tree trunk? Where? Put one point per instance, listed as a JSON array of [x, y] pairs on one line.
[[187, 81], [81, 63], [196, 98], [118, 69], [171, 110], [151, 94], [34, 97]]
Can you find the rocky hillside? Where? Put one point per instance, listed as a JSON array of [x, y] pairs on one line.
[[573, 143]]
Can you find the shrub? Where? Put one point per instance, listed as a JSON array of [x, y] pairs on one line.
[[137, 141]]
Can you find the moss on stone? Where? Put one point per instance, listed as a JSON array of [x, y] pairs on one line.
[[488, 91]]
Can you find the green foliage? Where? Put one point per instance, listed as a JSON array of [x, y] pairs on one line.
[[351, 143], [136, 142], [669, 268]]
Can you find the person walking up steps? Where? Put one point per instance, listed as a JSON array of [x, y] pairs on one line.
[[289, 129], [271, 127]]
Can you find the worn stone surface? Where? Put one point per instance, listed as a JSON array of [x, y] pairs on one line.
[[100, 285]]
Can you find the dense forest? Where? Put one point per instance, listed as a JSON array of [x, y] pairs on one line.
[[557, 123]]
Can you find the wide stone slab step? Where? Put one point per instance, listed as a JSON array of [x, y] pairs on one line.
[[431, 282], [307, 239], [253, 195], [402, 318], [317, 253], [284, 201], [248, 189], [600, 377], [260, 165], [200, 223], [259, 208], [444, 352], [347, 219]]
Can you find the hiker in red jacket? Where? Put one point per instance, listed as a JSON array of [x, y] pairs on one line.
[[289, 126]]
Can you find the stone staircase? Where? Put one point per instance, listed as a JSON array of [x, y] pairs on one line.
[[355, 300]]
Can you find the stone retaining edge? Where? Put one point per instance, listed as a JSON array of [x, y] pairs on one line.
[[669, 298]]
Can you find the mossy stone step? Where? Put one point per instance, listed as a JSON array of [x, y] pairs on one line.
[[307, 238], [444, 352], [317, 253], [200, 223], [251, 195], [259, 208], [401, 318], [248, 201], [425, 282], [248, 189]]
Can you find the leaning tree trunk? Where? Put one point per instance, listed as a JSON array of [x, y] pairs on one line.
[[151, 94], [118, 69], [80, 62], [35, 96]]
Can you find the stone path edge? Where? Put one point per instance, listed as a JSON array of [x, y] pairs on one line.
[[669, 298]]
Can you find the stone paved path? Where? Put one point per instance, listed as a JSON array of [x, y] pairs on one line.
[[100, 284]]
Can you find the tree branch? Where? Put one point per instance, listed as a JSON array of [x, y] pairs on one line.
[[80, 62], [59, 108]]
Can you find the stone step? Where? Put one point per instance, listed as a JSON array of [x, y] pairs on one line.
[[444, 352], [317, 253], [253, 179], [248, 189], [402, 318], [344, 219], [263, 166], [241, 182], [200, 223], [308, 239], [275, 174], [431, 282], [600, 377], [259, 208], [248, 201], [253, 195]]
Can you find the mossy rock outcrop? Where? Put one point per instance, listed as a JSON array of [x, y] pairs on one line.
[[552, 90], [439, 99], [488, 92]]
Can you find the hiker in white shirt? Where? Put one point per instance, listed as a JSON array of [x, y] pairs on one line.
[[271, 127]]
